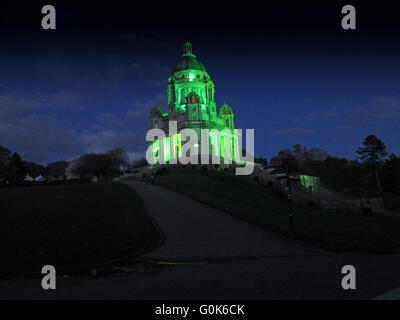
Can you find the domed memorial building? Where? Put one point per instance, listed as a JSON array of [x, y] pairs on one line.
[[190, 94]]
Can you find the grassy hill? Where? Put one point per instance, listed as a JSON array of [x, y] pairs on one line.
[[257, 204], [70, 224]]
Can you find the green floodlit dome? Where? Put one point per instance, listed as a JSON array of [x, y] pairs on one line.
[[188, 60]]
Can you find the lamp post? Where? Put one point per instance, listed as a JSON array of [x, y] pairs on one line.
[[285, 169], [292, 229]]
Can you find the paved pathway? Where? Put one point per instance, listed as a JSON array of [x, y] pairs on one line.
[[194, 231], [240, 261]]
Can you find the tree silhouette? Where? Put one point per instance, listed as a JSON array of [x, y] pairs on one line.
[[16, 170], [4, 158], [4, 154], [106, 165], [373, 153]]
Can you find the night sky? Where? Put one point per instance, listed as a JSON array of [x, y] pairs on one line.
[[290, 72]]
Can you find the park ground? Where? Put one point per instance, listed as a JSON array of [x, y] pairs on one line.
[[67, 225], [208, 253]]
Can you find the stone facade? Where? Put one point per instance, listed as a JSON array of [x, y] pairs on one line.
[[190, 102]]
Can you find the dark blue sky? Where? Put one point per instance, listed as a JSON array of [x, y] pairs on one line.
[[291, 73]]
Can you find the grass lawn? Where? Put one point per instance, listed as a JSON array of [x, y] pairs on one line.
[[255, 203], [66, 225]]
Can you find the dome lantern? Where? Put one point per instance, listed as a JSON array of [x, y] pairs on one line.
[[188, 60], [187, 49]]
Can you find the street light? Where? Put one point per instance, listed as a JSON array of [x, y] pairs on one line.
[[285, 169]]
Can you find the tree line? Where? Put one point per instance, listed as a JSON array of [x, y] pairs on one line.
[[13, 169], [106, 165], [374, 170]]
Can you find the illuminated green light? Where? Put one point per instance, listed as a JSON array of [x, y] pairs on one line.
[[309, 182], [233, 148], [166, 149], [190, 98], [177, 145], [222, 146], [156, 149], [192, 76], [214, 143]]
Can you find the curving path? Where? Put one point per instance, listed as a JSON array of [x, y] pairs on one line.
[[194, 231], [238, 261]]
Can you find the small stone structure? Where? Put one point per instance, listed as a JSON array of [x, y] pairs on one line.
[[311, 196]]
